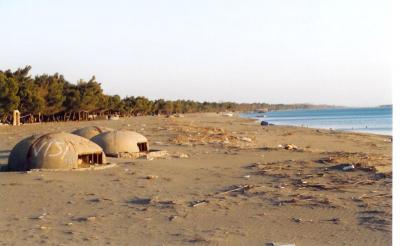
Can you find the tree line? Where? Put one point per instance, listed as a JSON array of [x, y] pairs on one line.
[[53, 95]]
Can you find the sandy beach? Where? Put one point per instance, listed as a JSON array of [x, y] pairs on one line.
[[226, 181]]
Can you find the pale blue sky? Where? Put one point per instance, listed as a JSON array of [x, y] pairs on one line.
[[286, 51]]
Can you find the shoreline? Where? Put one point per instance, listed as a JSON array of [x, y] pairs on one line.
[[252, 115], [332, 130]]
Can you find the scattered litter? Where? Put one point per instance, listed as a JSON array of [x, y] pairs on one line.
[[143, 201], [343, 167], [152, 154], [86, 219], [237, 188], [348, 168], [40, 217], [198, 203], [361, 161], [151, 177], [279, 244], [91, 218], [334, 220], [290, 147], [182, 155], [227, 114], [114, 117], [173, 217], [246, 139], [189, 135], [299, 220]]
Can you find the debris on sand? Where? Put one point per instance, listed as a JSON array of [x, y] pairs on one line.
[[334, 220], [172, 217], [181, 155], [189, 135], [246, 139], [300, 220], [237, 188], [290, 147], [199, 239], [361, 161], [90, 218], [279, 244], [375, 219], [151, 177], [198, 203], [40, 217], [143, 201], [227, 114], [348, 168], [86, 219], [155, 154], [114, 117]]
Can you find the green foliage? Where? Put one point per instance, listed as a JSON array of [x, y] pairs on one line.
[[52, 94], [51, 90], [9, 99]]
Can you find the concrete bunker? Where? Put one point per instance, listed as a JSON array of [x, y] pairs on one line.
[[122, 143], [55, 151], [91, 131]]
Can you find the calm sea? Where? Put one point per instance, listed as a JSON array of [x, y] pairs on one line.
[[372, 120]]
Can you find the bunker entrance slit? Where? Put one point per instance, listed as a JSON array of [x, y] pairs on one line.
[[92, 158], [142, 147]]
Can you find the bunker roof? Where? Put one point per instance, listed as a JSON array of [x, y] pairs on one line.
[[91, 131], [119, 142]]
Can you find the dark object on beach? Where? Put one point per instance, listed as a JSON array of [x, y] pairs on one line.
[[266, 123], [344, 167]]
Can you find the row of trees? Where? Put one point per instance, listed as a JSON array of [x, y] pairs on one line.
[[52, 94]]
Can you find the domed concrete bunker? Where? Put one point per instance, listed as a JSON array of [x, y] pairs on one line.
[[91, 131], [122, 143], [55, 151]]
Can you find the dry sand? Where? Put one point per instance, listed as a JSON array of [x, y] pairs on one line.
[[234, 187]]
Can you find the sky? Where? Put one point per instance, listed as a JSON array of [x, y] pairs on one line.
[[286, 51]]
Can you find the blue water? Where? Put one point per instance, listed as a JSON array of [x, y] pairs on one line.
[[371, 120]]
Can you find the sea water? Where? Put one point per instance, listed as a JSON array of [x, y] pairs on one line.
[[376, 120]]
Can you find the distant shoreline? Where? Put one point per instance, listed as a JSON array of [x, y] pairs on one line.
[[353, 120]]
